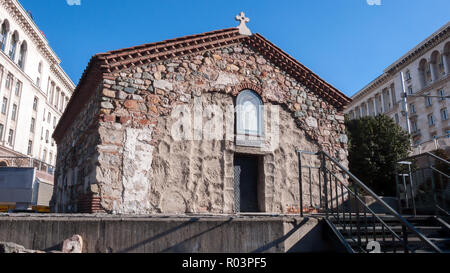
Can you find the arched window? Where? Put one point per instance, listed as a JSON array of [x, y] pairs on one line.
[[435, 65], [52, 92], [249, 118], [424, 73], [446, 58], [22, 55], [13, 46], [3, 35]]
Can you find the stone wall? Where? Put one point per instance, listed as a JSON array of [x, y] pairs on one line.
[[140, 168], [77, 160]]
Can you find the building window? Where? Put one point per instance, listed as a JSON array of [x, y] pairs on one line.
[[50, 158], [4, 105], [428, 101], [414, 126], [35, 104], [9, 80], [44, 156], [441, 93], [61, 104], [46, 136], [18, 88], [30, 147], [52, 92], [413, 108], [4, 35], [444, 114], [408, 75], [14, 112], [431, 120], [1, 130], [11, 137], [58, 91], [13, 45], [40, 68], [54, 122], [1, 73], [22, 55], [49, 117], [249, 114], [33, 122], [38, 82], [410, 90]]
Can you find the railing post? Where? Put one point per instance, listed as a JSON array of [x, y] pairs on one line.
[[358, 223], [433, 187], [405, 238], [300, 184], [325, 182], [411, 184], [397, 188]]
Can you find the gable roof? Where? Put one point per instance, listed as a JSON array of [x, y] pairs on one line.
[[104, 64]]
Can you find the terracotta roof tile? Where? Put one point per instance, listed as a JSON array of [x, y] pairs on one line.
[[108, 62]]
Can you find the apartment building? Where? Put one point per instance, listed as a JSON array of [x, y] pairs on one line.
[[426, 79], [34, 89]]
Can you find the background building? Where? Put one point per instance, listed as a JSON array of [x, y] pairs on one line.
[[34, 90], [426, 70]]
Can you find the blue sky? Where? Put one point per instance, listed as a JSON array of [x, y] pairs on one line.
[[346, 42]]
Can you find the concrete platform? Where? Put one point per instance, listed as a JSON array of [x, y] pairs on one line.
[[102, 233]]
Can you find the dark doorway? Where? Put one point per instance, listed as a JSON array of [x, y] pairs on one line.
[[246, 173]]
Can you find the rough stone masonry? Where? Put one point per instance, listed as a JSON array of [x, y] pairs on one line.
[[116, 153]]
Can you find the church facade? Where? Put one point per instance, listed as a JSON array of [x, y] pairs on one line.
[[209, 123]]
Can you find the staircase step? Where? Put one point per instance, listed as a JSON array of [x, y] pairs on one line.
[[379, 227], [413, 242]]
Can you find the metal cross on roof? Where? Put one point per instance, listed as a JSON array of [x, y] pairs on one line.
[[243, 29]]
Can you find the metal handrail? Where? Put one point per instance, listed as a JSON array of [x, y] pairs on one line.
[[439, 172], [427, 154], [384, 204], [443, 211], [438, 158], [371, 212], [432, 160], [369, 209]]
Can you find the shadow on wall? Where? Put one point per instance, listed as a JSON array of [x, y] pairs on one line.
[[318, 239], [229, 234]]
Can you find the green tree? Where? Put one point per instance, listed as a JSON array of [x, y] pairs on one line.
[[375, 145]]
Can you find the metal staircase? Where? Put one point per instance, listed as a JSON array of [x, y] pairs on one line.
[[339, 198]]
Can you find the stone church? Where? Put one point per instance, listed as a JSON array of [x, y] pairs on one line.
[[208, 123]]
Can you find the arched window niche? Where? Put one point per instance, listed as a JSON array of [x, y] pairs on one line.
[[13, 45], [4, 29], [249, 119], [22, 55]]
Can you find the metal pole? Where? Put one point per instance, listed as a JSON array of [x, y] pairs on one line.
[[300, 182], [406, 190], [397, 184], [405, 103], [325, 184], [411, 184]]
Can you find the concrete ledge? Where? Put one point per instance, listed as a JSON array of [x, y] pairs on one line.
[[166, 233]]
